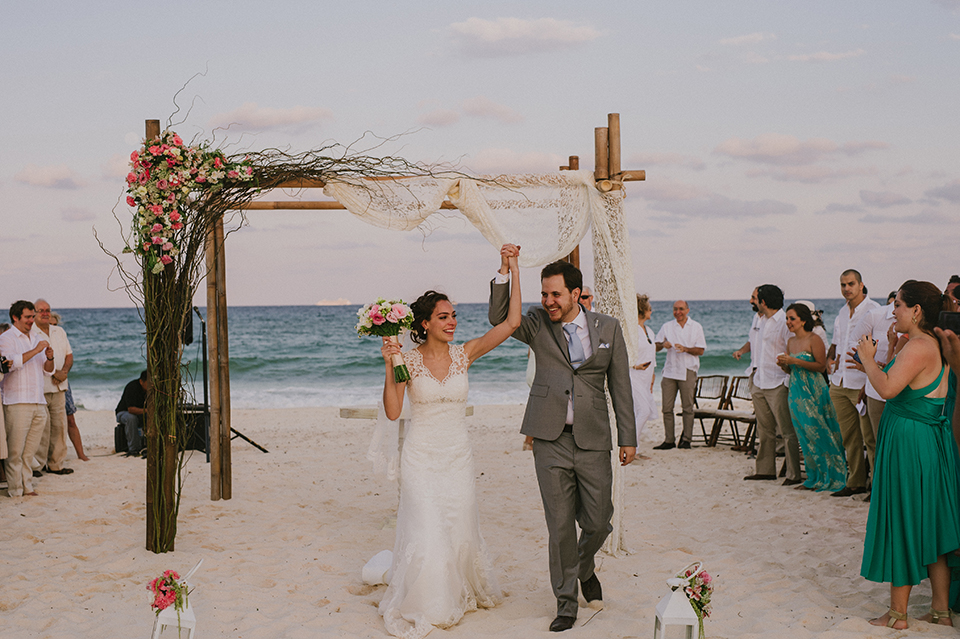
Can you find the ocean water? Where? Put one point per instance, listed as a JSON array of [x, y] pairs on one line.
[[296, 356]]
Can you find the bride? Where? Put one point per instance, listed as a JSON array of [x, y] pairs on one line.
[[441, 568]]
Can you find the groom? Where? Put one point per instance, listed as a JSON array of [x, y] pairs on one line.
[[577, 350]]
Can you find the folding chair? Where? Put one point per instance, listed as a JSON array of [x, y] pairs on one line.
[[709, 387]]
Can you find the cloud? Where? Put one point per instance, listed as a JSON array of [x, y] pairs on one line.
[[116, 167], [516, 36], [825, 56], [811, 174], [924, 217], [483, 107], [251, 116], [787, 150], [667, 191], [949, 192], [883, 199], [953, 5], [955, 36], [666, 159], [439, 117], [52, 177], [836, 207], [497, 161], [714, 206], [77, 214], [751, 38]]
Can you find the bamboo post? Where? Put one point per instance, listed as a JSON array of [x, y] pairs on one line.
[[151, 131], [223, 352], [213, 362], [613, 148], [601, 153], [573, 164]]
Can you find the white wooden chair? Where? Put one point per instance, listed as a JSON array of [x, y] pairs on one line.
[[183, 620]]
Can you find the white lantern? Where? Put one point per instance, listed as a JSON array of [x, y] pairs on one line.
[[675, 610]]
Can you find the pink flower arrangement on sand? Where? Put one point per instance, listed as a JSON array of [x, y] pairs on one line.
[[386, 318], [697, 584], [168, 591], [164, 172]]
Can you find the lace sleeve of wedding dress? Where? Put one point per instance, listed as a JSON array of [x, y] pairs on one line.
[[384, 451]]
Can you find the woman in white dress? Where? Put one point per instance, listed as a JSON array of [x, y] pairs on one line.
[[441, 568], [642, 373]]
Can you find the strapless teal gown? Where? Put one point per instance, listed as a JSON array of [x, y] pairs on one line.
[[914, 512], [815, 421]]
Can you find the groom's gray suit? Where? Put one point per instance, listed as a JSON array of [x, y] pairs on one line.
[[573, 463]]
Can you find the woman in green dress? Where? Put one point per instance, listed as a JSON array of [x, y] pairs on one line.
[[914, 520], [810, 407]]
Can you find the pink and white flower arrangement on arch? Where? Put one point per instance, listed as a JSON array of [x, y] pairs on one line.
[[386, 318], [163, 174]]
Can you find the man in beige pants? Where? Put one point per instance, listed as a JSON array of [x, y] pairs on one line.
[[53, 445], [847, 383]]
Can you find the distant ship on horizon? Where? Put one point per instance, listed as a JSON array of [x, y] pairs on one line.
[[340, 301]]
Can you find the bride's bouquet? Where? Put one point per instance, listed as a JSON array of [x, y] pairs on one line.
[[386, 318]]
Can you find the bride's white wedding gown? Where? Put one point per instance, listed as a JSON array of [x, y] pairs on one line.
[[441, 568]]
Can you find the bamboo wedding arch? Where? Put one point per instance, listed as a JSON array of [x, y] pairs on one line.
[[608, 177]]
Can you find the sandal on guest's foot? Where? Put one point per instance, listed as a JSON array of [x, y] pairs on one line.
[[892, 618], [937, 615]]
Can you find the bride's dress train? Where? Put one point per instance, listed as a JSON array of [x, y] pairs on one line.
[[441, 567]]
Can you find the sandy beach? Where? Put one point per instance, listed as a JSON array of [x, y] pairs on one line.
[[283, 557]]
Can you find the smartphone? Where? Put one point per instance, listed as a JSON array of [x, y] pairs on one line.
[[856, 356], [949, 321]]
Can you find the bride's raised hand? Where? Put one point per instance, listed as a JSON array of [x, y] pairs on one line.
[[389, 349]]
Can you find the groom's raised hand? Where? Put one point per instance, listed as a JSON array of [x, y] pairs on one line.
[[508, 251]]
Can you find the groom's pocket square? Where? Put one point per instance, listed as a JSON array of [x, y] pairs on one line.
[[604, 345]]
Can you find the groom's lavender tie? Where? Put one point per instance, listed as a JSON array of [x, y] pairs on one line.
[[574, 345]]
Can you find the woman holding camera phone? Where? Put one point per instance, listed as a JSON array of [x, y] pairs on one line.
[[914, 520]]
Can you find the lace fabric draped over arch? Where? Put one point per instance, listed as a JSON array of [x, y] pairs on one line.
[[546, 214], [441, 567]]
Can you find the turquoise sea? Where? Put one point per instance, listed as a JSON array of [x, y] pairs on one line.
[[295, 356]]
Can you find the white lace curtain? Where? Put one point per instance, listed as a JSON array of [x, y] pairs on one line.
[[548, 215]]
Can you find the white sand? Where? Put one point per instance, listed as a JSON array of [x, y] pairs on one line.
[[283, 557]]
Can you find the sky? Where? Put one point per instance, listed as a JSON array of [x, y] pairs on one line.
[[783, 142]]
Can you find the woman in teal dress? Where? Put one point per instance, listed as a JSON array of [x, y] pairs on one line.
[[810, 407], [914, 520]]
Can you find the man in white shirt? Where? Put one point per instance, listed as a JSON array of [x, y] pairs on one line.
[[770, 387], [24, 407], [876, 324], [683, 338], [53, 445], [846, 383], [752, 337]]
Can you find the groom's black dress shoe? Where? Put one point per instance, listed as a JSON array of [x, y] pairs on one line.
[[562, 623], [758, 476], [683, 444], [591, 589], [665, 446]]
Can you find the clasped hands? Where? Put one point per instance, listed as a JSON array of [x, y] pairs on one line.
[[509, 258]]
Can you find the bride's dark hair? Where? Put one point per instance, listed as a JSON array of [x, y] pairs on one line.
[[422, 311]]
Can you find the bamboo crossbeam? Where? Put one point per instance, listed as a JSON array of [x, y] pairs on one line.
[[309, 206]]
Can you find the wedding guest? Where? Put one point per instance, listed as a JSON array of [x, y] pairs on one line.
[[914, 520], [53, 445], [877, 323], [749, 347], [3, 429], [73, 431], [685, 343], [24, 410], [130, 412], [642, 373], [770, 392], [810, 407], [846, 383]]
